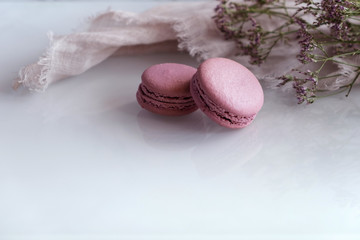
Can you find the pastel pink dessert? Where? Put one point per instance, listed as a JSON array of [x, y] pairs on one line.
[[165, 89], [227, 92]]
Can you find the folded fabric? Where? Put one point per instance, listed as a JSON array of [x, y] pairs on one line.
[[169, 27]]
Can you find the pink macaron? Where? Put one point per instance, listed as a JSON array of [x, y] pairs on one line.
[[227, 92], [165, 89]]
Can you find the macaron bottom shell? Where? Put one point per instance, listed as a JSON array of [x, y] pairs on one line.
[[164, 105], [215, 112]]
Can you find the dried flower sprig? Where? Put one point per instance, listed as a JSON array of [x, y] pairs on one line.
[[332, 36]]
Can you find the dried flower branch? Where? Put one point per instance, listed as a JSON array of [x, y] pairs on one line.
[[332, 36]]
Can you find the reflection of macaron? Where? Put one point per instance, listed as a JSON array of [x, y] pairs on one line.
[[165, 89], [169, 133], [227, 92]]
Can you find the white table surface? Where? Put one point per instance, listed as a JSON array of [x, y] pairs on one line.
[[84, 161]]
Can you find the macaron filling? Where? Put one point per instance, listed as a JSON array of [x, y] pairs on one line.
[[207, 105], [162, 101]]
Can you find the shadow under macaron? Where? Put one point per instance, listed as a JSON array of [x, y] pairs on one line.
[[171, 133], [176, 133], [226, 150]]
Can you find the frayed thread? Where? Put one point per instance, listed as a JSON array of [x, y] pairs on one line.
[[45, 62], [35, 76]]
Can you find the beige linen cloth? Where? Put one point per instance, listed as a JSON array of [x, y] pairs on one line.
[[174, 26]]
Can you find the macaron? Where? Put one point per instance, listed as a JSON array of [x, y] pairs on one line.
[[165, 89], [227, 92]]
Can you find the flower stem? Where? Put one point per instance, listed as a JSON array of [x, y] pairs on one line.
[[336, 75], [352, 83]]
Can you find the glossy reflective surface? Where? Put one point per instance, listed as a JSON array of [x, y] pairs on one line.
[[84, 161]]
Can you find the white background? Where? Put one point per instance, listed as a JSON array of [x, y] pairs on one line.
[[84, 161]]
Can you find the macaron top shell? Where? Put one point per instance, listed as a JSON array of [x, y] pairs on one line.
[[169, 79], [231, 86]]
